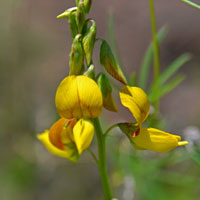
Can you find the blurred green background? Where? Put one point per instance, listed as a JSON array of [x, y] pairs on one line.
[[34, 59]]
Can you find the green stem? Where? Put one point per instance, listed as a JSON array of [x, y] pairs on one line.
[[93, 155], [191, 4], [156, 52], [109, 129], [102, 160]]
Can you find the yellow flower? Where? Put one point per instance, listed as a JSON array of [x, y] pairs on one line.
[[136, 100], [68, 138], [78, 98]]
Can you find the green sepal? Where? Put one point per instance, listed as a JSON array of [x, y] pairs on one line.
[[87, 5], [80, 16], [106, 89], [90, 72], [108, 61], [129, 129], [76, 57], [89, 41]]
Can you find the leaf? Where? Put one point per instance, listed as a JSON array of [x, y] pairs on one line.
[[173, 67], [165, 89], [148, 59]]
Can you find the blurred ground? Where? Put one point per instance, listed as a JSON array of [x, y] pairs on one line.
[[34, 59]]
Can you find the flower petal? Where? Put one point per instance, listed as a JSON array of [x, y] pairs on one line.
[[157, 140], [69, 152], [78, 97], [83, 134], [136, 100]]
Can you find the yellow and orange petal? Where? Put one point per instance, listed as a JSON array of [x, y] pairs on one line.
[[78, 97], [157, 140], [136, 100]]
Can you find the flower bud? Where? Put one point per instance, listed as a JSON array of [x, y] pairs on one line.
[[67, 13], [76, 56], [90, 72], [73, 24], [77, 2], [108, 61], [89, 41], [87, 4], [106, 89], [80, 16]]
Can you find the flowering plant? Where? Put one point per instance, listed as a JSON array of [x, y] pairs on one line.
[[81, 96]]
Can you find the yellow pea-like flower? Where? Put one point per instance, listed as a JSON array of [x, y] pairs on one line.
[[78, 97], [68, 138], [136, 100]]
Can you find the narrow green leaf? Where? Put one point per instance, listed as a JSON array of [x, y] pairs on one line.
[[132, 79], [191, 3], [165, 89], [148, 59], [173, 67]]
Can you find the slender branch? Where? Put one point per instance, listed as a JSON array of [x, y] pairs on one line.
[[191, 4], [93, 155], [102, 160], [109, 129], [156, 51]]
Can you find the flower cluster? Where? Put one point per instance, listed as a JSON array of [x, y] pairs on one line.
[[81, 96]]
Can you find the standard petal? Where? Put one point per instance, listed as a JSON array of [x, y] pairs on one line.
[[78, 97], [157, 140], [90, 96], [83, 134], [69, 152], [67, 98], [136, 100]]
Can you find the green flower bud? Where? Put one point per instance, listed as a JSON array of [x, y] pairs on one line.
[[76, 61], [73, 25], [130, 129], [80, 16], [87, 4], [108, 61], [89, 41], [106, 89], [90, 72], [67, 13], [77, 2]]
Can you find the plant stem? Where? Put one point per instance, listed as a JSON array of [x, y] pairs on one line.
[[156, 52], [109, 129], [93, 155], [102, 160]]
